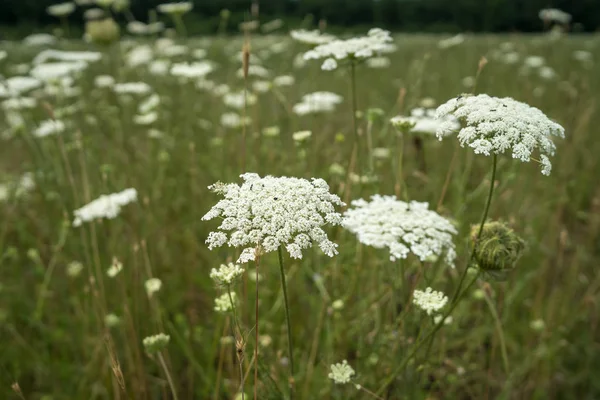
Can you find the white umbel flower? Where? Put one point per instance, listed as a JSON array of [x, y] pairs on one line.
[[181, 7], [555, 15], [401, 227], [274, 211], [376, 42], [193, 70], [429, 300], [495, 125], [341, 373], [314, 37], [155, 343], [226, 274], [317, 102], [152, 286], [424, 120], [61, 10], [223, 303], [49, 127], [106, 206]]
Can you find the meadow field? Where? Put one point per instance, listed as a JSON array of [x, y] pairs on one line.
[[167, 118]]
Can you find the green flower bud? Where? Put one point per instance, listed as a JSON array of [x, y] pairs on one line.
[[105, 31], [498, 248]]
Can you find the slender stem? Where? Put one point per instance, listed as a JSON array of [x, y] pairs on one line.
[[287, 318], [498, 324], [458, 295], [237, 325], [169, 379], [354, 110], [256, 334]]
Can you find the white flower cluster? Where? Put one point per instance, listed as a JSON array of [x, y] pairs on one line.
[[193, 70], [423, 120], [429, 300], [555, 15], [106, 206], [49, 127], [311, 37], [274, 211], [402, 227], [341, 373], [226, 273], [317, 102], [156, 343], [181, 7], [152, 286], [495, 125], [376, 42], [223, 303]]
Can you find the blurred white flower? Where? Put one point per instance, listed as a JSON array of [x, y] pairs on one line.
[[159, 67], [423, 120], [146, 119], [115, 268], [193, 70], [261, 86], [451, 41], [317, 102], [341, 373], [152, 286], [555, 15], [438, 318], [238, 100], [274, 211], [226, 274], [49, 127], [149, 104], [429, 300], [104, 81], [301, 136], [17, 85], [181, 7], [495, 125], [39, 39], [132, 88], [255, 70], [401, 227], [19, 103], [233, 120], [52, 71], [378, 62], [311, 37], [106, 206], [155, 343], [329, 64], [224, 303], [61, 10], [284, 80], [74, 269]]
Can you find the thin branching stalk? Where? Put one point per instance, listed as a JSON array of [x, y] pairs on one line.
[[458, 295], [256, 331], [239, 342], [287, 318], [499, 330]]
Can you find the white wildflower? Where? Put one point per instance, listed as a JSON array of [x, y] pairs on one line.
[[226, 274], [224, 303], [555, 15], [317, 102], [40, 39], [301, 136], [112, 320], [104, 81], [193, 70], [341, 373], [149, 104], [255, 70], [159, 67], [52, 71], [106, 206], [284, 80], [495, 125], [17, 85], [146, 119], [239, 99], [19, 103], [61, 9], [329, 64], [261, 86], [155, 343], [429, 300], [274, 211], [74, 269], [152, 286], [49, 127], [423, 120], [132, 88], [139, 55], [181, 7], [451, 41], [377, 41], [314, 37], [114, 268], [438, 318], [385, 222], [379, 62], [233, 120]]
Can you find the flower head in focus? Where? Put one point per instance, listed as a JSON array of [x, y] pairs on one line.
[[341, 373], [268, 212], [495, 125], [429, 300], [401, 227]]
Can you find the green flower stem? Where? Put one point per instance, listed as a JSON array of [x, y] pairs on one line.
[[168, 374], [458, 295], [287, 317], [498, 324]]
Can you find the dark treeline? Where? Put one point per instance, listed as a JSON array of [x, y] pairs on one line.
[[400, 15]]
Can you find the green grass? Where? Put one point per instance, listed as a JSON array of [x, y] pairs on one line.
[[53, 342]]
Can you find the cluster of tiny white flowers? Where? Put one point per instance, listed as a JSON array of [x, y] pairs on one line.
[[152, 286], [555, 15], [495, 125], [423, 120], [314, 37], [234, 120], [223, 303], [192, 70], [341, 373], [402, 227], [132, 88], [226, 273], [317, 102], [274, 211], [106, 206], [155, 343], [377, 41], [429, 300], [181, 7], [49, 127]]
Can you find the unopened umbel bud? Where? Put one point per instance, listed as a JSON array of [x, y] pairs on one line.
[[497, 249]]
